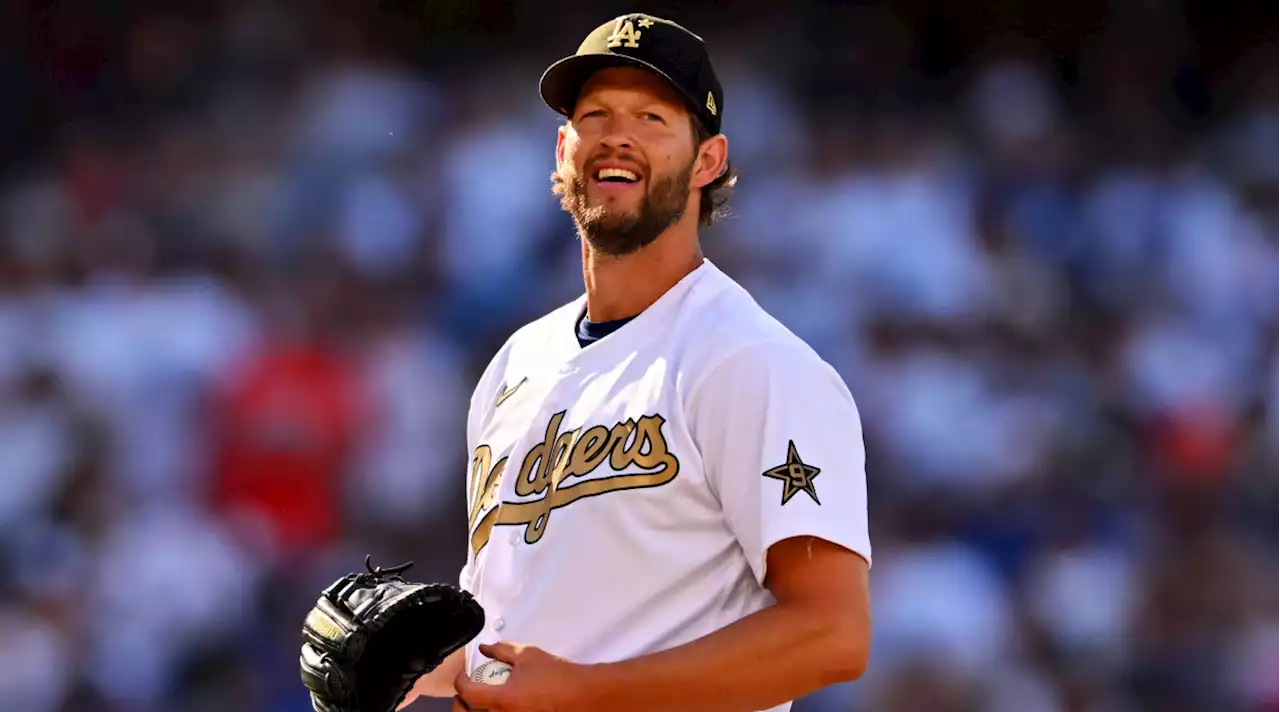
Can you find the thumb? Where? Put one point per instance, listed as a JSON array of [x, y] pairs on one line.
[[503, 651]]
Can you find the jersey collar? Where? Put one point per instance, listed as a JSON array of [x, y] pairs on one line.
[[646, 326]]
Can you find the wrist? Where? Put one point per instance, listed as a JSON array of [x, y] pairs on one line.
[[598, 686]]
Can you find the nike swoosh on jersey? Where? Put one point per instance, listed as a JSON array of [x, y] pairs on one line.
[[506, 393]]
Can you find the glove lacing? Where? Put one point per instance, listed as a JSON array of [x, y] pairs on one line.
[[377, 574]]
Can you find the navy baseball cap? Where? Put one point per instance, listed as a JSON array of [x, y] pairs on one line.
[[647, 42]]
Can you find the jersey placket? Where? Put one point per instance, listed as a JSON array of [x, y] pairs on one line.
[[503, 575]]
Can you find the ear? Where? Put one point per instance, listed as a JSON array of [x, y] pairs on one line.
[[713, 156], [560, 134]]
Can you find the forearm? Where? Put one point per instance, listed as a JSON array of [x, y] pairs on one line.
[[438, 682], [770, 657]]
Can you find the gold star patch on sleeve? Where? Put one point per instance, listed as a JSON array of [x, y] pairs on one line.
[[796, 476]]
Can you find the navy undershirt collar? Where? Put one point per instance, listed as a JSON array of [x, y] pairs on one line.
[[590, 332]]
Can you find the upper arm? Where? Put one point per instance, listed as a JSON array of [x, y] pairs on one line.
[[807, 570], [831, 585]]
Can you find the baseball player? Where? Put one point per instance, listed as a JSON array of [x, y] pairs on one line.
[[666, 496]]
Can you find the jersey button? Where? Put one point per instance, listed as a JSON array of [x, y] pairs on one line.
[[499, 624], [514, 540]]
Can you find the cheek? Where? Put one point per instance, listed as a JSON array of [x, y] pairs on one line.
[[668, 158], [666, 165]]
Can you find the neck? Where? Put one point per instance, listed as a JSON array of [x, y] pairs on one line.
[[622, 286]]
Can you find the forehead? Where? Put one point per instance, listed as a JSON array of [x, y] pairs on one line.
[[629, 84]]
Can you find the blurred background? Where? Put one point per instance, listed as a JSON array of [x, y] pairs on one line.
[[254, 254]]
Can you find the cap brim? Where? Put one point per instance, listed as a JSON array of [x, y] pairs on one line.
[[563, 81]]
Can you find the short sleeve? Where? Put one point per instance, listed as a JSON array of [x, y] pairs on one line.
[[781, 443]]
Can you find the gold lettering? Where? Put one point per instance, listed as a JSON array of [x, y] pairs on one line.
[[542, 470], [650, 427], [322, 624], [573, 453], [484, 495], [480, 460], [622, 432], [484, 481], [591, 449], [543, 459], [624, 34], [480, 535]]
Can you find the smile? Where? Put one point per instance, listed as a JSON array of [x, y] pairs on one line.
[[616, 175]]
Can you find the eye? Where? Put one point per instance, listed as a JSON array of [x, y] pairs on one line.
[[592, 114], [650, 116]]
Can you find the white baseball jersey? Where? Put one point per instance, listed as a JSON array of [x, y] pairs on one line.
[[622, 497]]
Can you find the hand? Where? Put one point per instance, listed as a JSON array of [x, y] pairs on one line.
[[539, 682]]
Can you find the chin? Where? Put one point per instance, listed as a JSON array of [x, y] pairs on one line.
[[611, 213], [607, 201], [616, 221]]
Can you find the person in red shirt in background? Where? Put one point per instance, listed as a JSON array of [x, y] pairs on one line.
[[287, 424]]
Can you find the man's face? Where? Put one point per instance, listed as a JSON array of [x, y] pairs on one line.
[[625, 160]]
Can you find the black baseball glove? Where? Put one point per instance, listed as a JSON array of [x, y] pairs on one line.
[[370, 636]]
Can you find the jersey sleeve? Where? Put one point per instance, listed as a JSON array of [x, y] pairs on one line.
[[781, 443]]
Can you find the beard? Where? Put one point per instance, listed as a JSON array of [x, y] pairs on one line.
[[616, 231]]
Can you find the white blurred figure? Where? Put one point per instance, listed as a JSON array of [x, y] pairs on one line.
[[379, 224], [140, 353], [765, 124], [356, 110], [166, 580], [1219, 261], [950, 428], [900, 234], [940, 604], [407, 471], [1014, 102], [1175, 365], [497, 202], [1085, 597], [38, 442], [36, 662]]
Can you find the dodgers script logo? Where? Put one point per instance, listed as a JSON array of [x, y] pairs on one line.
[[548, 467]]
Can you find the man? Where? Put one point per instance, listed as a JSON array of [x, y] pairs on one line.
[[667, 495]]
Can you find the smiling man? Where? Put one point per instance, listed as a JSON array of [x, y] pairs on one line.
[[667, 496]]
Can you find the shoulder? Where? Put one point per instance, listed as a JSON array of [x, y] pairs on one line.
[[729, 336]]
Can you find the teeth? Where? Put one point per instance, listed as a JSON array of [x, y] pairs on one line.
[[604, 173]]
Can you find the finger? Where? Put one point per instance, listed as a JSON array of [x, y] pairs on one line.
[[478, 696], [504, 651]]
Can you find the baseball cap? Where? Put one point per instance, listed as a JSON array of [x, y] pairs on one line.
[[647, 42]]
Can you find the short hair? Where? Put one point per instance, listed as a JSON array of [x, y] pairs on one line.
[[714, 205]]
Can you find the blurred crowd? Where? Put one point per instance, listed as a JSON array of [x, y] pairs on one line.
[[253, 257]]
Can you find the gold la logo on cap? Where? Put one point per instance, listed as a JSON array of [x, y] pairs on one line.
[[625, 33], [711, 104]]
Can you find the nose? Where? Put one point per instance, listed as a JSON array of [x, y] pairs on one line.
[[616, 141], [616, 135]]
